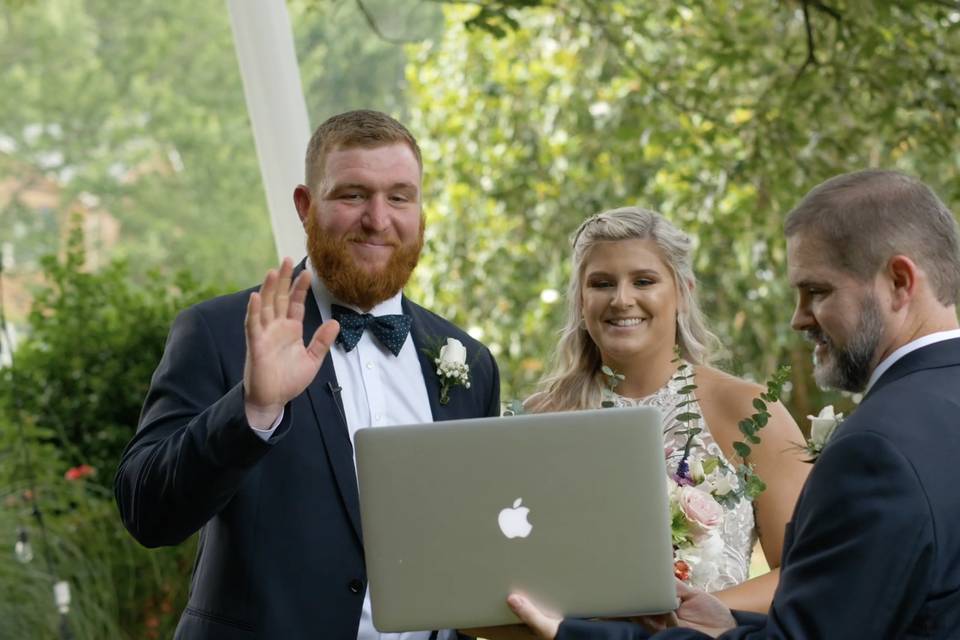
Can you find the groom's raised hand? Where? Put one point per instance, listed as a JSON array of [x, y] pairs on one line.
[[278, 366]]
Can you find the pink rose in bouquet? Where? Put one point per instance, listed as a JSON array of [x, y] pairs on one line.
[[701, 510]]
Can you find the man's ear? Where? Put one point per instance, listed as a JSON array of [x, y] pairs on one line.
[[302, 200], [902, 275]]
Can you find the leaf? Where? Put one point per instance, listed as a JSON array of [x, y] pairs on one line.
[[686, 389], [759, 404], [742, 450], [746, 426], [688, 416]]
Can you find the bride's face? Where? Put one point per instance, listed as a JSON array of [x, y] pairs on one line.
[[629, 301]]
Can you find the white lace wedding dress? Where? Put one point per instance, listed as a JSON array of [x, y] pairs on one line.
[[738, 527]]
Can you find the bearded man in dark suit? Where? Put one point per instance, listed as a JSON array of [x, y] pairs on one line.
[[247, 430], [873, 549]]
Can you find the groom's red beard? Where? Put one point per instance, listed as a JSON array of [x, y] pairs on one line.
[[347, 280]]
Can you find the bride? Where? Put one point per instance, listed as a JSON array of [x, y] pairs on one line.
[[631, 309]]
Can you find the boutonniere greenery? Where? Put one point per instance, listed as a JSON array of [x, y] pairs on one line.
[[452, 367], [822, 427]]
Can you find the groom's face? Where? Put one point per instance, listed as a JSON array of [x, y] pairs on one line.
[[839, 313], [363, 221]]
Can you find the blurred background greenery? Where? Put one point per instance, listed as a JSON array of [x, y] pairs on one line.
[[126, 158]]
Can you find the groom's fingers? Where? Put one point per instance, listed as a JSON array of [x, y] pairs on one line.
[[252, 320], [282, 299], [540, 623], [267, 293], [298, 295], [323, 339]]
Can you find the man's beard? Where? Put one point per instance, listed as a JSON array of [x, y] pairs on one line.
[[347, 280], [849, 367]]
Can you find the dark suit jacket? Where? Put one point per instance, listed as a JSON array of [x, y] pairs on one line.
[[873, 550], [280, 552]]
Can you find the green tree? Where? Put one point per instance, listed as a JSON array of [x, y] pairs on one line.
[[718, 114], [138, 113]]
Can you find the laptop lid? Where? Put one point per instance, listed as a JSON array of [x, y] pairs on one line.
[[568, 508]]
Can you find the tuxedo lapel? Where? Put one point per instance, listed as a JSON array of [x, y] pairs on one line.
[[424, 339], [324, 396]]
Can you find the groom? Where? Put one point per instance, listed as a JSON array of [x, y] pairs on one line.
[[247, 430], [873, 550]]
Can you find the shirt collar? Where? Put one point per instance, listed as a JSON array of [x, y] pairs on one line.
[[922, 341]]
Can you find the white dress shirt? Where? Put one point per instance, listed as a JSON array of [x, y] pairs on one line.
[[378, 389], [922, 341]]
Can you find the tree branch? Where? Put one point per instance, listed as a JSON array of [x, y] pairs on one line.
[[372, 23], [811, 45]]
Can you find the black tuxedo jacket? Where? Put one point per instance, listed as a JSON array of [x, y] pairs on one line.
[[873, 549], [280, 552]]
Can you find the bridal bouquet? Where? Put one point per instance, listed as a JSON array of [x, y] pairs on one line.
[[696, 514], [705, 485]]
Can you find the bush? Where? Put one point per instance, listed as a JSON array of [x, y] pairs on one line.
[[68, 405]]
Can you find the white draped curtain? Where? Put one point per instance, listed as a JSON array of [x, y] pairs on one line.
[[277, 108]]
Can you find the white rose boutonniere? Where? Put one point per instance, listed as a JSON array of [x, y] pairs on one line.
[[452, 368], [822, 427]]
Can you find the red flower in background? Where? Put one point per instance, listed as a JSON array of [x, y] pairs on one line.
[[80, 472]]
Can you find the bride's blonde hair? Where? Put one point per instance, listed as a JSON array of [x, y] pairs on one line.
[[575, 380]]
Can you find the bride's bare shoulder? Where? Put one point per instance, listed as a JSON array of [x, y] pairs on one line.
[[728, 396]]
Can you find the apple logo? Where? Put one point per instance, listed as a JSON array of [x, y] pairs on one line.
[[513, 522]]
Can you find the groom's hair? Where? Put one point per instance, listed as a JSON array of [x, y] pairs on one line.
[[866, 217], [361, 128]]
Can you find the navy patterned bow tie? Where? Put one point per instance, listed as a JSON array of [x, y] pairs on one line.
[[390, 330]]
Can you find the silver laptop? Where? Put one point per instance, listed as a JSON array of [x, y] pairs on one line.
[[567, 508]]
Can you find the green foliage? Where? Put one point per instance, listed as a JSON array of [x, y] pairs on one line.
[[119, 590], [82, 373], [719, 123], [72, 396]]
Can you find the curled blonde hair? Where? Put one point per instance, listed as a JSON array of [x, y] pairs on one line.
[[575, 380]]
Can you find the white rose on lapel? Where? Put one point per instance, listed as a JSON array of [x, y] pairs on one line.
[[822, 427], [453, 353], [452, 368]]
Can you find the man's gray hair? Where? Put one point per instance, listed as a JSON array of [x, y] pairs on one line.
[[867, 217]]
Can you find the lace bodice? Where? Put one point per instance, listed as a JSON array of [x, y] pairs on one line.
[[738, 527]]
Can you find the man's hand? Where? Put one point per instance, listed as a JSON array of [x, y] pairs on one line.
[[278, 366], [537, 624], [702, 611]]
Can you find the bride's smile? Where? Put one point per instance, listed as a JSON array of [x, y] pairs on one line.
[[629, 301]]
